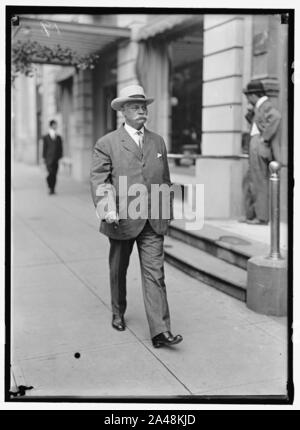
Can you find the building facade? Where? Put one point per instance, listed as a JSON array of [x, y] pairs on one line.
[[195, 66]]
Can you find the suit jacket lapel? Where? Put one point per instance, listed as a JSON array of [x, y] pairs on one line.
[[129, 143], [260, 110], [50, 138], [147, 146]]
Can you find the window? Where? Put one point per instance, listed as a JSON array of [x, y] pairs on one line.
[[58, 97], [110, 121], [186, 54]]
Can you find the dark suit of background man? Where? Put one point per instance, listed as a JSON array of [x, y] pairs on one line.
[[52, 152], [264, 147], [139, 155]]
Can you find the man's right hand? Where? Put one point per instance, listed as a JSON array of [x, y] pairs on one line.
[[112, 217]]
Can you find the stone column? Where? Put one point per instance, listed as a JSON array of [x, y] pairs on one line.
[[49, 102], [265, 53], [81, 142], [24, 122], [49, 111], [127, 53], [270, 64], [223, 63]]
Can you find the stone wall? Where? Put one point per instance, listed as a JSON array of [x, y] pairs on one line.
[[81, 144], [127, 53], [225, 61], [24, 127]]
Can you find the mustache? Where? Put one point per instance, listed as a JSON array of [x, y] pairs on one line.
[[141, 116]]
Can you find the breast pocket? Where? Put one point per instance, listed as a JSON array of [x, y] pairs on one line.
[[156, 168]]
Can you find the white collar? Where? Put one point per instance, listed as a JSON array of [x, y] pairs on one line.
[[52, 133], [261, 101], [131, 130]]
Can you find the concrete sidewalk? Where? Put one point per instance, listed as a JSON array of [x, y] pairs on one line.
[[61, 305]]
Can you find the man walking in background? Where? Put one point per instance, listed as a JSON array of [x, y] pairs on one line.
[[264, 147], [52, 152], [138, 155]]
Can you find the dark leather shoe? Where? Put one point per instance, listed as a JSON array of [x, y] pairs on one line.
[[166, 338], [118, 322], [256, 221]]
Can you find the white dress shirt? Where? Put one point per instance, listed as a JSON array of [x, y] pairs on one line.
[[133, 132], [52, 133], [254, 129]]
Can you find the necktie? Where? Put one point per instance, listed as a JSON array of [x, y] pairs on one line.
[[140, 140]]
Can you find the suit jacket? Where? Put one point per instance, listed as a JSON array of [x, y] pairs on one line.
[[267, 120], [52, 149], [117, 155]]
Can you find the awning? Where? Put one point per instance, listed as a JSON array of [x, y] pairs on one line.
[[85, 39], [64, 73], [168, 25]]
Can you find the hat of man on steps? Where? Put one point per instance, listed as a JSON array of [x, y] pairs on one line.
[[254, 86], [131, 93]]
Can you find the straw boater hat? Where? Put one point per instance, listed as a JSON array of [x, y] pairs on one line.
[[130, 94]]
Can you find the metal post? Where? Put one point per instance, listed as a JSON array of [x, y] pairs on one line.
[[274, 168], [267, 276]]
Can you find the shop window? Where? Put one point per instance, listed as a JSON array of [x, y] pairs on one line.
[[58, 97], [186, 64], [110, 92], [104, 91], [66, 109]]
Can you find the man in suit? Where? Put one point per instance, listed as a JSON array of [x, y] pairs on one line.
[[264, 147], [52, 152], [130, 157]]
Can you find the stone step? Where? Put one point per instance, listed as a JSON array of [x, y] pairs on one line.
[[205, 267], [232, 248]]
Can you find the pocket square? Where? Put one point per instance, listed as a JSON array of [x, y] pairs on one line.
[[158, 155]]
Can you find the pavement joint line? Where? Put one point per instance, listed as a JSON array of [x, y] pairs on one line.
[[17, 266], [139, 340], [87, 286], [246, 322], [68, 351], [18, 374], [133, 333], [70, 269], [84, 260], [71, 212], [22, 266], [160, 361], [63, 262], [273, 336], [217, 387], [13, 380], [89, 224], [60, 259], [86, 223], [41, 239]]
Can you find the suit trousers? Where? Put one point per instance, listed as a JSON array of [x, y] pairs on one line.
[[52, 172], [151, 255], [258, 199]]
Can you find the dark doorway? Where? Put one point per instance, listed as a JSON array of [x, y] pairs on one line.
[[38, 123], [105, 90], [66, 108], [110, 117], [186, 71]]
